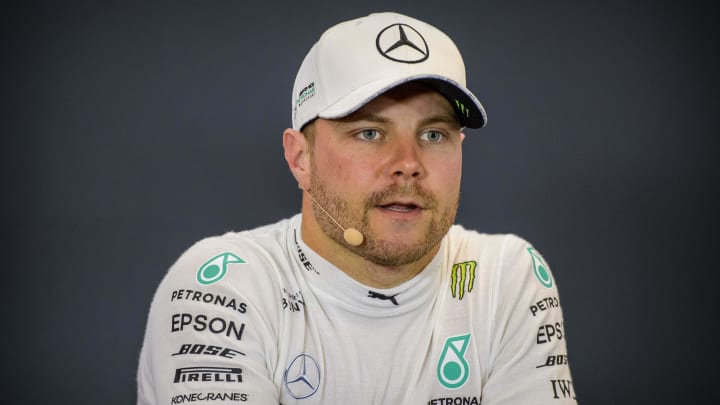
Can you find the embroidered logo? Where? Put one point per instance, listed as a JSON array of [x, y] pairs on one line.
[[402, 43], [214, 269], [380, 296], [453, 370], [302, 377], [462, 278], [541, 270]]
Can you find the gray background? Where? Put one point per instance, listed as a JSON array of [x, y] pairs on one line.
[[130, 131]]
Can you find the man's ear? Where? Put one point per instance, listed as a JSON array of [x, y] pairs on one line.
[[296, 154]]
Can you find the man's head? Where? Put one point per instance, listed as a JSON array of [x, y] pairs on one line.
[[357, 60], [392, 170], [384, 154]]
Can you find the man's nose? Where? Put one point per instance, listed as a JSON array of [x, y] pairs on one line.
[[406, 159]]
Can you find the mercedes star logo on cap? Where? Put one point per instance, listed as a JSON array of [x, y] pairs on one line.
[[402, 43]]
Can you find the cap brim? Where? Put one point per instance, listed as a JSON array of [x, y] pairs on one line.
[[467, 107]]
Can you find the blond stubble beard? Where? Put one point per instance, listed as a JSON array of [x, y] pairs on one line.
[[379, 251]]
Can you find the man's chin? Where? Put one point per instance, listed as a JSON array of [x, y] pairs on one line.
[[396, 251]]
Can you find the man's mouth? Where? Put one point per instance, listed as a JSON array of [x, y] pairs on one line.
[[399, 207]]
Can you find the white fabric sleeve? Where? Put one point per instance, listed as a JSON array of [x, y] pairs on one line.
[[529, 362], [208, 338]]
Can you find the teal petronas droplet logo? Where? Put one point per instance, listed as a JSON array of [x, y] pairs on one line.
[[541, 270], [453, 370], [214, 269]]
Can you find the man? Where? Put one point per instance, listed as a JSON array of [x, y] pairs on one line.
[[371, 294]]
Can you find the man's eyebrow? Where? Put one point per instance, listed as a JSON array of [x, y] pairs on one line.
[[365, 116], [442, 118], [358, 117]]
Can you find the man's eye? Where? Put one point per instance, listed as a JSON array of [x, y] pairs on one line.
[[432, 136], [369, 134]]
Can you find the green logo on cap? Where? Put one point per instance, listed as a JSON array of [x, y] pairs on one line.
[[460, 107], [214, 269]]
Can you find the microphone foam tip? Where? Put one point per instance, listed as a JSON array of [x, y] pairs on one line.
[[353, 237]]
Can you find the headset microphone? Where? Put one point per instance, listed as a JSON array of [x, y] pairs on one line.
[[351, 235]]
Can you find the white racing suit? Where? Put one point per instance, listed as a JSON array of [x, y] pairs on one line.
[[257, 317]]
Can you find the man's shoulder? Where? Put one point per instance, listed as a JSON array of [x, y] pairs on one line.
[[250, 254], [495, 255], [461, 238], [509, 260]]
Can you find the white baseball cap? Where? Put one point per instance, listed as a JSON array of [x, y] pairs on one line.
[[357, 60]]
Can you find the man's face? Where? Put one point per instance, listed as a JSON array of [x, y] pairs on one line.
[[392, 170]]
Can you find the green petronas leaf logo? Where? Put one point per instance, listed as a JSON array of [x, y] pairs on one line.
[[214, 269], [540, 269], [453, 370]]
